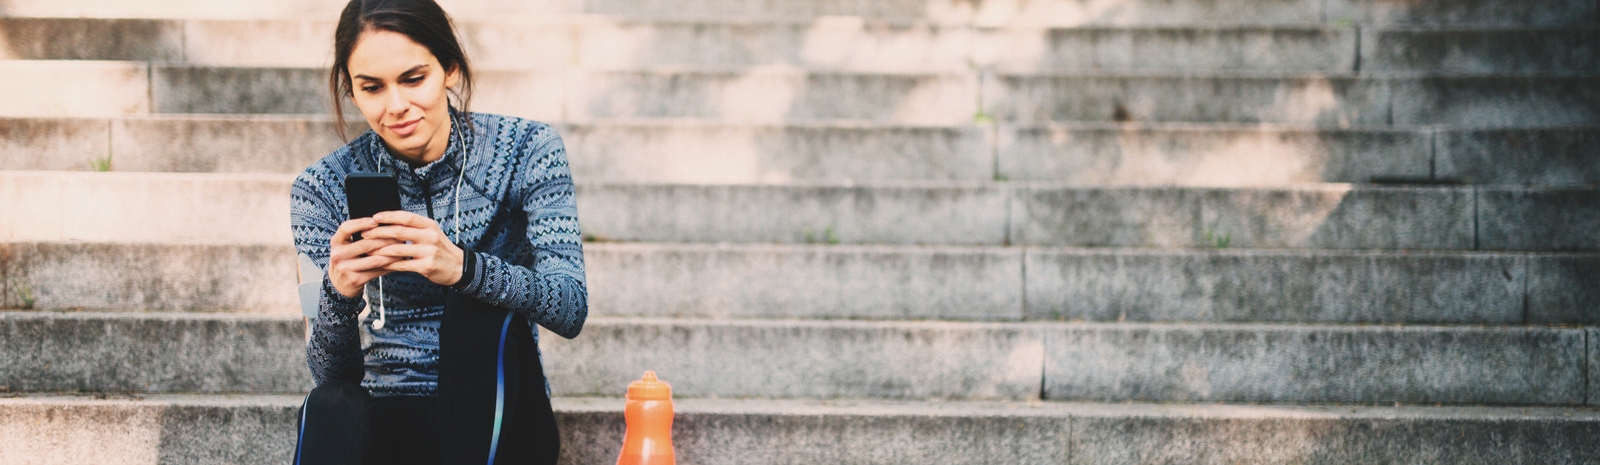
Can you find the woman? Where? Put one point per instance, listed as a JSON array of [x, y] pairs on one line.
[[487, 245]]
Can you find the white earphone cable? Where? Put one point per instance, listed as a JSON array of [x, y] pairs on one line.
[[455, 218]]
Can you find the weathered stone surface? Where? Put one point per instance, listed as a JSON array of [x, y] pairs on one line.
[[1497, 101], [48, 351], [539, 95], [265, 43], [1133, 12], [1321, 100], [761, 8], [90, 39], [1552, 157], [796, 213], [1314, 364], [1482, 51], [194, 278], [1562, 290], [1329, 216], [171, 9], [1166, 48], [692, 152], [304, 42], [260, 429], [186, 89], [1330, 435], [224, 209], [1594, 366], [773, 96], [795, 432], [1465, 12], [645, 151], [820, 43], [989, 12], [74, 88], [225, 144], [145, 430], [1538, 219], [1208, 155], [800, 359], [53, 143], [804, 282], [875, 282], [304, 91], [1262, 286]]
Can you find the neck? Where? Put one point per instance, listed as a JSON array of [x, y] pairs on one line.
[[431, 152]]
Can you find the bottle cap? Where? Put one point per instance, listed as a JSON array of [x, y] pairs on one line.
[[649, 388]]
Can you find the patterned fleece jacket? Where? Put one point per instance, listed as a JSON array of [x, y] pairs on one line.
[[517, 221]]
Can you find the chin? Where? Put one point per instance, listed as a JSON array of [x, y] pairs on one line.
[[411, 146]]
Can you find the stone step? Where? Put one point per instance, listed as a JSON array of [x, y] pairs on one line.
[[784, 95], [601, 42], [74, 88], [1481, 51], [689, 151], [642, 151], [992, 12], [883, 282], [1323, 100], [183, 429], [211, 208], [1255, 155], [742, 95], [1467, 12], [160, 353]]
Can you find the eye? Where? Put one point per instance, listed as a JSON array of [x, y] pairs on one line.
[[414, 79], [370, 88]]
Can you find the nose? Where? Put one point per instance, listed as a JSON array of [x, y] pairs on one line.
[[394, 102]]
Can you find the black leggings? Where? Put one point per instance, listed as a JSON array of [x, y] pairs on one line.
[[342, 424]]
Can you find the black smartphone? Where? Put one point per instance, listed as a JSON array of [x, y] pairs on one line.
[[367, 194]]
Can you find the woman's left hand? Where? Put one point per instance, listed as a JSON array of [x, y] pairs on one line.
[[423, 247]]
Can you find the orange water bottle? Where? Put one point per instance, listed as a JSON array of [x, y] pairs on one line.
[[649, 413]]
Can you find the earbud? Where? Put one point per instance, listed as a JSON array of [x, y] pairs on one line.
[[382, 317]]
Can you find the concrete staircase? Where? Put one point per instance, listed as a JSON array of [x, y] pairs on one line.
[[885, 231]]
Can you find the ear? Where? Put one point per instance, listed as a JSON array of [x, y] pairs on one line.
[[452, 76]]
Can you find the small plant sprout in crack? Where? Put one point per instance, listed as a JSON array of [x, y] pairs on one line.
[[980, 117], [1216, 239], [101, 165], [828, 237], [24, 294]]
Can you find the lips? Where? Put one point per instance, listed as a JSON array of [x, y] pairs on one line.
[[405, 129]]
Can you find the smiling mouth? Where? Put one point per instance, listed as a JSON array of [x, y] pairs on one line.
[[404, 129]]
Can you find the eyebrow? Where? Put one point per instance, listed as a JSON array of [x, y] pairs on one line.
[[409, 71]]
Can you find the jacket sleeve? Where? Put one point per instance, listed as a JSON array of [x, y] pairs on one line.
[[551, 291], [334, 351]]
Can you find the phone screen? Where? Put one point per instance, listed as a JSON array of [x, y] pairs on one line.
[[370, 193]]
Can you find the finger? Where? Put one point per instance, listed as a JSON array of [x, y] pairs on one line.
[[350, 228], [406, 251], [355, 249], [405, 218], [362, 278], [366, 264], [414, 266], [405, 234]]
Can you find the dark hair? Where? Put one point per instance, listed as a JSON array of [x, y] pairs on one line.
[[421, 20]]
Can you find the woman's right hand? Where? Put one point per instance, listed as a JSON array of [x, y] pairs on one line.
[[349, 265]]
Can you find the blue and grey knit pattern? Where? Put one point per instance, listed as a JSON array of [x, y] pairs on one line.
[[517, 212]]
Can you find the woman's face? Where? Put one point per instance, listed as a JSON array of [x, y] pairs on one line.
[[400, 88]]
